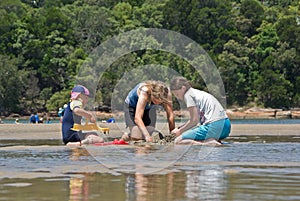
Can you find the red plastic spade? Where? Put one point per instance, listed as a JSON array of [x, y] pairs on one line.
[[115, 142]]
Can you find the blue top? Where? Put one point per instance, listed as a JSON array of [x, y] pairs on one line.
[[37, 118], [132, 98], [32, 119], [61, 112], [67, 123]]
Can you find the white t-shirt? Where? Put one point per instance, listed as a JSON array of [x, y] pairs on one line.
[[76, 103], [209, 108]]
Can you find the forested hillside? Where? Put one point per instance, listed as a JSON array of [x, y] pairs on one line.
[[254, 44]]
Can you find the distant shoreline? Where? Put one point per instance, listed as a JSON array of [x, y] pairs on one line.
[[233, 113], [258, 113], [53, 131]]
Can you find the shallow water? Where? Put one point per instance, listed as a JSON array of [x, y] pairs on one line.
[[245, 168], [265, 121], [234, 121]]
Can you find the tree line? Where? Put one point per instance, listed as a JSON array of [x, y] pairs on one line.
[[43, 43]]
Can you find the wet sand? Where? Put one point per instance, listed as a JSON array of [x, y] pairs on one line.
[[53, 131]]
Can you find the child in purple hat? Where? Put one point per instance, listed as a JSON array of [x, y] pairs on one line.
[[73, 114]]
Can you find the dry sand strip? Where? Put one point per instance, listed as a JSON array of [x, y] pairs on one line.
[[265, 129], [53, 131]]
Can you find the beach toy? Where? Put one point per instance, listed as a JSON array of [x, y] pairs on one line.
[[89, 127], [115, 142], [111, 120]]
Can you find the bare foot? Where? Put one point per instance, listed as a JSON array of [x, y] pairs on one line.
[[92, 139], [209, 142], [73, 144], [126, 137]]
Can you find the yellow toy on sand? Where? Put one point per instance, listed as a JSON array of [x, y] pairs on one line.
[[89, 127]]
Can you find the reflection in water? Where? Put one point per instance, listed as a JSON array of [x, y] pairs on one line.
[[206, 184], [130, 188], [155, 187], [79, 187], [209, 183], [258, 169], [143, 187], [78, 154]]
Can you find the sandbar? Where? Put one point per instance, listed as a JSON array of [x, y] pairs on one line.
[[53, 131]]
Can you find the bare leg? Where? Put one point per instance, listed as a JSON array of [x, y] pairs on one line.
[[73, 144], [126, 137], [210, 141], [178, 140], [136, 133], [92, 139]]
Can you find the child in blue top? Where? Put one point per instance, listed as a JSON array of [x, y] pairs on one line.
[[208, 121], [73, 114]]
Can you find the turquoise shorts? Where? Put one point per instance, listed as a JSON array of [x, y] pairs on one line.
[[218, 130]]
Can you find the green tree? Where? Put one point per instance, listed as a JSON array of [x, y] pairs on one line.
[[277, 57], [296, 97], [47, 46], [237, 72], [123, 17], [30, 97], [11, 85], [55, 62], [207, 22], [11, 11], [44, 44], [89, 31], [253, 11], [57, 100], [286, 62], [265, 41], [273, 90], [288, 29], [149, 15]]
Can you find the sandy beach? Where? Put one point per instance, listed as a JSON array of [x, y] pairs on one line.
[[53, 131]]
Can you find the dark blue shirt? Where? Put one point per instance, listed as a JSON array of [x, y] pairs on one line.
[[132, 98], [68, 121]]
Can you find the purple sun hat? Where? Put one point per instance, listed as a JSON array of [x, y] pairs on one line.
[[79, 89]]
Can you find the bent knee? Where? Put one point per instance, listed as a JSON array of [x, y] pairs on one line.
[[91, 139], [178, 140]]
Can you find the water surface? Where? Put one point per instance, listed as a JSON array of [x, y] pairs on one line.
[[246, 168]]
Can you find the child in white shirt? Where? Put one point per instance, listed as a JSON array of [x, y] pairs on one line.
[[208, 123]]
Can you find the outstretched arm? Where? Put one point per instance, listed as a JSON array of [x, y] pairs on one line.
[[85, 114], [193, 121], [138, 119], [170, 115]]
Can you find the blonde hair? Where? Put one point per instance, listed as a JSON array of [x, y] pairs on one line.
[[157, 89]]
